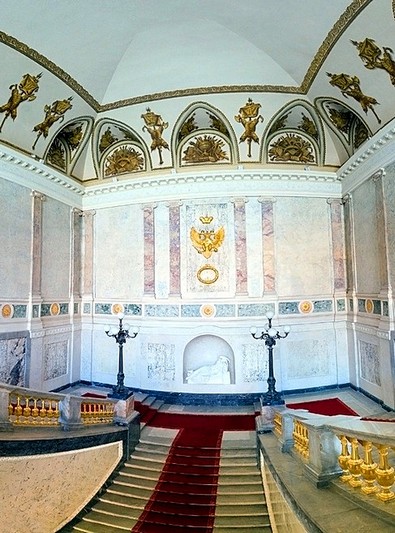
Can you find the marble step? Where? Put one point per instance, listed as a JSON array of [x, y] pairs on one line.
[[142, 456], [96, 519], [94, 527], [138, 465], [261, 520]]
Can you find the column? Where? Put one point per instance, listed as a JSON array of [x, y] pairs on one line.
[[381, 217], [88, 255]]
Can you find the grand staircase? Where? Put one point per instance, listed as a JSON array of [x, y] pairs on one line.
[[137, 501]]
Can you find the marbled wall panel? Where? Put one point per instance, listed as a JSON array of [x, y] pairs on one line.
[[302, 244], [162, 252], [254, 249], [14, 353], [367, 254], [30, 481], [15, 241], [309, 359], [223, 260], [56, 257], [118, 253]]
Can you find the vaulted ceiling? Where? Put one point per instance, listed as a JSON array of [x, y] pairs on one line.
[[121, 88]]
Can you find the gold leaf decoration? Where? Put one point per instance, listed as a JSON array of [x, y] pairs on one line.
[[25, 91], [291, 148], [308, 126], [155, 126], [53, 113], [373, 57], [123, 160], [106, 140], [249, 117], [56, 155], [205, 149], [188, 126]]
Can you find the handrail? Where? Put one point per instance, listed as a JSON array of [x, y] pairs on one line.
[[358, 452], [25, 407]]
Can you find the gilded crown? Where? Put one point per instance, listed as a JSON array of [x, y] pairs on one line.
[[206, 219]]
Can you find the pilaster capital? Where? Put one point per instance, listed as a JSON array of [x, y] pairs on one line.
[[38, 195]]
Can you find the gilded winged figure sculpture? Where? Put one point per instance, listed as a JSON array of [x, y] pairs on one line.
[[207, 241]]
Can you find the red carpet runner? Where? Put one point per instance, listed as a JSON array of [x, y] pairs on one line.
[[185, 494], [329, 407]]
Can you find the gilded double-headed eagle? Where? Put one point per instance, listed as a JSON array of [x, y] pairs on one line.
[[207, 241]]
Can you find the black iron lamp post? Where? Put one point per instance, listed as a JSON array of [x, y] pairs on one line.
[[120, 335], [270, 335]]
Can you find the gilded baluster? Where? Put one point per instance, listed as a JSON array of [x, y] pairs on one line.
[[43, 411], [18, 408], [11, 407], [35, 409], [50, 411], [385, 475], [343, 459], [295, 435], [354, 464], [56, 412], [278, 424], [26, 410], [368, 470], [306, 442]]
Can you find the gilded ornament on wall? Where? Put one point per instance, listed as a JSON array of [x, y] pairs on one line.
[[308, 126], [106, 140], [207, 241], [53, 113], [72, 136], [249, 117], [350, 86], [22, 92], [341, 119], [123, 160], [218, 125], [56, 155], [291, 148], [155, 126], [205, 149], [188, 126], [207, 274], [373, 57]]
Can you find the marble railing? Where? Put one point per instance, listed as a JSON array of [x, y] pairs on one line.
[[359, 453], [29, 408]]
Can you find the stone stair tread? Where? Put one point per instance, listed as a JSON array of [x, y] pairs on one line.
[[130, 491], [129, 500], [118, 510], [136, 482], [110, 520], [232, 521], [242, 510], [241, 499], [242, 528], [94, 527], [252, 488]]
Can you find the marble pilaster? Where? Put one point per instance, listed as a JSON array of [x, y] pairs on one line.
[[175, 257], [269, 275], [37, 218], [240, 245], [149, 249], [88, 244], [76, 236], [381, 216], [338, 258]]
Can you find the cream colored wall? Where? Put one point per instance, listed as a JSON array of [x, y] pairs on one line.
[[35, 498]]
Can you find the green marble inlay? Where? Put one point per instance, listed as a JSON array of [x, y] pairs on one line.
[[255, 309], [87, 309], [102, 309], [288, 308], [45, 309], [64, 309], [377, 307], [385, 308], [341, 304], [322, 306], [133, 309], [36, 311], [361, 305], [20, 311]]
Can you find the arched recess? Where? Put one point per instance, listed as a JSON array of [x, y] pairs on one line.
[[208, 359], [350, 129], [203, 135], [294, 135], [68, 143], [117, 150]]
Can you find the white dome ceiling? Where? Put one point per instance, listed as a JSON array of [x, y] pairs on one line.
[[117, 57]]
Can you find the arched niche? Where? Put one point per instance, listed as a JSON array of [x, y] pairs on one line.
[[208, 359]]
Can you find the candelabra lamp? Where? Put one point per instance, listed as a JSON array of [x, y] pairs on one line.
[[120, 335], [270, 335]]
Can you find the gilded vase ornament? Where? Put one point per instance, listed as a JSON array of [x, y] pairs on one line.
[[205, 149], [53, 113], [23, 92], [155, 127], [373, 57], [249, 117], [350, 86]]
